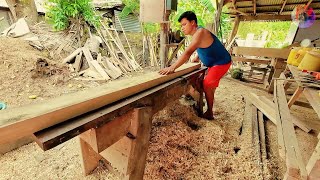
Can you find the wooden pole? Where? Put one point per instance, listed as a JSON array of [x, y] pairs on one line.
[[164, 39], [234, 29]]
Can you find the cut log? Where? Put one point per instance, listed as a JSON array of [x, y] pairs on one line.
[[22, 121]]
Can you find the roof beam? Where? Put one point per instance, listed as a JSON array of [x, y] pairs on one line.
[[277, 5], [254, 7], [283, 5], [266, 17]]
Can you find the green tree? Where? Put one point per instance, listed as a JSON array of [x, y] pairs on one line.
[[277, 31], [61, 12]]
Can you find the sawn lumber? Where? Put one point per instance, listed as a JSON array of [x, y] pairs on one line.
[[22, 121]]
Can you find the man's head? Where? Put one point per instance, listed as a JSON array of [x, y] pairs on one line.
[[188, 21]]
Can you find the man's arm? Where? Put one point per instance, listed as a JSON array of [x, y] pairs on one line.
[[185, 55]]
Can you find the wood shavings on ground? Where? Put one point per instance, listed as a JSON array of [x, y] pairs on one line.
[[182, 146]]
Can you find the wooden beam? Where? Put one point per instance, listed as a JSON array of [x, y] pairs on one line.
[[282, 7], [19, 122], [316, 4], [267, 108], [138, 155], [114, 130], [287, 136], [266, 17], [262, 52], [90, 159], [258, 61], [254, 7], [234, 29], [295, 96], [157, 98]]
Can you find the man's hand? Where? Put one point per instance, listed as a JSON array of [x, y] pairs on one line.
[[166, 71]]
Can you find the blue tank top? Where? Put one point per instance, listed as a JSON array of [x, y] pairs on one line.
[[215, 54]]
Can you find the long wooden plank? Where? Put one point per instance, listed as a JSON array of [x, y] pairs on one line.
[[262, 52], [266, 106], [258, 61], [22, 121], [157, 98], [295, 165]]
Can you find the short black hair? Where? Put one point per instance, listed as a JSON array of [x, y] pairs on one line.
[[189, 15]]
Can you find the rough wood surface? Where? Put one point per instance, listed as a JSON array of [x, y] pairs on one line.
[[286, 134], [22, 121]]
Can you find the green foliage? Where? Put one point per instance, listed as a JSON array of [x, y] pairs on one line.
[[204, 10], [277, 31], [61, 12], [131, 6]]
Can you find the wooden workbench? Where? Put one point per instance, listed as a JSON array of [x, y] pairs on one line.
[[119, 133]]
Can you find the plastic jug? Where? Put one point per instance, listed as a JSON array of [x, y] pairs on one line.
[[292, 55], [299, 56], [310, 62]]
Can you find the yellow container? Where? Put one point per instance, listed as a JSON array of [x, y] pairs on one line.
[[299, 56], [292, 55], [310, 62]]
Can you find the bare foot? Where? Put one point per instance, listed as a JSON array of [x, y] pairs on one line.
[[208, 115]]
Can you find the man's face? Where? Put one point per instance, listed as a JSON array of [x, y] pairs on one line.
[[187, 26]]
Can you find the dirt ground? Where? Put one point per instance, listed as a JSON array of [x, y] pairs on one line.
[[182, 145]]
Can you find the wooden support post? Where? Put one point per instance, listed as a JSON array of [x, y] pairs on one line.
[[141, 128], [200, 103], [278, 65], [123, 142], [295, 96], [234, 29], [90, 159], [164, 40]]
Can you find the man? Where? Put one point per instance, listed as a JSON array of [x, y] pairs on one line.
[[211, 53]]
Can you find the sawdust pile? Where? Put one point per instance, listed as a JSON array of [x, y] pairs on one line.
[[184, 146]]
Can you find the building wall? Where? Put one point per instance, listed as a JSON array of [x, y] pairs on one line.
[[313, 32]]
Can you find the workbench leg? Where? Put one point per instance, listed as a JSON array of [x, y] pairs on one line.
[[295, 96], [276, 74], [90, 159], [141, 129], [200, 90]]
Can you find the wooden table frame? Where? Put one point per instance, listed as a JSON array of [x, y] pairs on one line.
[[313, 166], [120, 132]]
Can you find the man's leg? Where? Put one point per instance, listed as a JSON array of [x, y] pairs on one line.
[[210, 84], [209, 93]]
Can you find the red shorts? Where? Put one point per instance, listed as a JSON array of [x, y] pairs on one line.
[[214, 74]]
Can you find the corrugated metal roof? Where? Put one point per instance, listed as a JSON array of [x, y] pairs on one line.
[[246, 7], [130, 23]]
